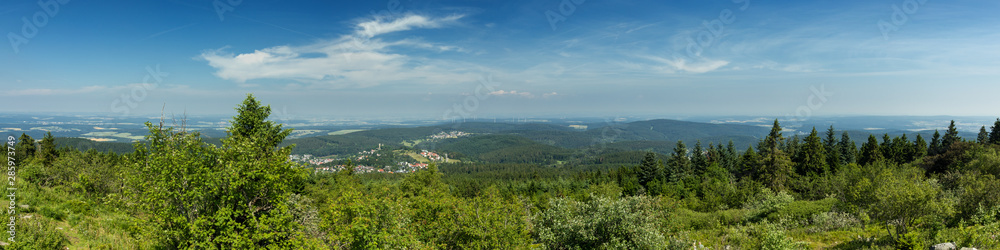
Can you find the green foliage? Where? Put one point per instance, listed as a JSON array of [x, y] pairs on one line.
[[38, 233], [995, 133], [201, 196], [950, 137], [796, 211], [811, 160], [870, 152], [767, 201], [602, 223], [24, 150], [47, 152]]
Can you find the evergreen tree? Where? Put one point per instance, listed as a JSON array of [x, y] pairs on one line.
[[729, 158], [25, 149], [950, 137], [251, 124], [900, 150], [679, 165], [811, 158], [935, 146], [750, 164], [886, 147], [870, 152], [848, 149], [777, 165], [833, 157], [47, 151], [792, 146], [995, 133], [198, 195], [698, 160], [984, 137], [649, 170], [919, 149]]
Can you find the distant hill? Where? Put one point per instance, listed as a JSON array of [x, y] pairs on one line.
[[87, 144], [500, 149]]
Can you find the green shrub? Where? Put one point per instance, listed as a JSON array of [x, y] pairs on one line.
[[830, 221], [802, 210], [602, 223], [54, 213], [768, 201], [38, 233]]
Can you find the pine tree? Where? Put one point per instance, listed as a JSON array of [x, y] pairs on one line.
[[750, 164], [729, 158], [777, 165], [698, 160], [47, 151], [886, 147], [832, 152], [649, 170], [984, 137], [900, 149], [935, 146], [919, 149], [25, 149], [811, 158], [251, 124], [950, 137], [679, 165], [870, 152], [995, 133], [848, 150]]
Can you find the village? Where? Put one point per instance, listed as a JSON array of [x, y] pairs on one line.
[[362, 161]]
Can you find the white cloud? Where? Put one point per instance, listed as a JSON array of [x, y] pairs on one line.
[[379, 26], [547, 95], [353, 60], [512, 93], [681, 64]]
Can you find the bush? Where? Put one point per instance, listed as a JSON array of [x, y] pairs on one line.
[[830, 221], [799, 211], [602, 223], [38, 234], [768, 201]]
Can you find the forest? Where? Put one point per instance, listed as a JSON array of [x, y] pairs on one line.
[[179, 190]]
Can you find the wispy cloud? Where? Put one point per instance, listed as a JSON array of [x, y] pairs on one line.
[[355, 60]]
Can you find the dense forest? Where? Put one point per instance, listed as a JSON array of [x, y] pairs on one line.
[[178, 190]]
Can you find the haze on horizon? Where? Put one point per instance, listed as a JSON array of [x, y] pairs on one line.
[[460, 59]]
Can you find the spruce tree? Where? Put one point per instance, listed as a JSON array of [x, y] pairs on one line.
[[811, 158], [984, 136], [649, 170], [848, 150], [679, 165], [950, 137], [729, 157], [25, 149], [777, 165], [750, 164], [698, 160], [919, 149], [47, 151], [995, 133], [870, 152], [832, 152], [935, 147], [886, 147]]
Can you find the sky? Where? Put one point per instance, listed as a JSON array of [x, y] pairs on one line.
[[463, 59]]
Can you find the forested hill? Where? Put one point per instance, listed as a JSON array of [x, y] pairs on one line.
[[656, 135]]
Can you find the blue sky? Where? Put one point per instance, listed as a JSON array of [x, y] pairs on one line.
[[453, 59]]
